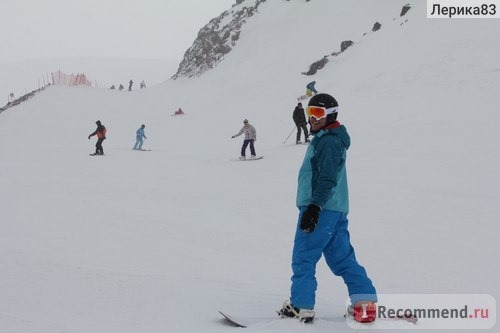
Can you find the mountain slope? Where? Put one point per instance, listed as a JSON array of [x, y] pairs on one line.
[[160, 240]]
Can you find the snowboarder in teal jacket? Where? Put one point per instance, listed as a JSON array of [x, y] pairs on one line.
[[311, 87], [323, 203]]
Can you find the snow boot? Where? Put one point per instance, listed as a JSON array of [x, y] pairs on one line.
[[290, 311]]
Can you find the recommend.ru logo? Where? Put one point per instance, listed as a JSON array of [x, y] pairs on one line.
[[432, 311]]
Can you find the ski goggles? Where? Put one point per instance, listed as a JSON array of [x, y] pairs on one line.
[[319, 112]]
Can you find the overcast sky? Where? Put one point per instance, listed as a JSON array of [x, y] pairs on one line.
[[146, 29]]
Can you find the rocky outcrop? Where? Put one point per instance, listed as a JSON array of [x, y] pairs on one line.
[[221, 34], [216, 39], [405, 9], [317, 65], [346, 44], [376, 26]]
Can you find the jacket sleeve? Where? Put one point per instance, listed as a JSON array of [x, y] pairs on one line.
[[240, 132]]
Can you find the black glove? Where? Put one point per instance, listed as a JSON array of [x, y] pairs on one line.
[[89, 137], [310, 218]]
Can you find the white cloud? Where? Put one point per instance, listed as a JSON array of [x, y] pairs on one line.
[[150, 29]]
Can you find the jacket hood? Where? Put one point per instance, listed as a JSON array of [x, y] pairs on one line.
[[341, 132], [338, 130]]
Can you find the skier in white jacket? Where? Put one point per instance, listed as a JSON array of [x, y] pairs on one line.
[[250, 138]]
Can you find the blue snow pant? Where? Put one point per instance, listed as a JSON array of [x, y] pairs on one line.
[[330, 238], [139, 140]]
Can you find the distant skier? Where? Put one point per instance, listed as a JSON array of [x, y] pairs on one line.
[[179, 112], [130, 83], [300, 121], [310, 89], [143, 84], [139, 138], [250, 138], [101, 136], [120, 87]]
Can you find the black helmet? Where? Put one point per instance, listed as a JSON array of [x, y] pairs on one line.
[[328, 102], [323, 100]]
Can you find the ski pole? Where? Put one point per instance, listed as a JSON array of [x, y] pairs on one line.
[[293, 129]]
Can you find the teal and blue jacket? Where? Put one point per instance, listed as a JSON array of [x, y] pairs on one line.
[[322, 178]]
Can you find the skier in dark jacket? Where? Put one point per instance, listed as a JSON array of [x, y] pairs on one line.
[[101, 136], [300, 121]]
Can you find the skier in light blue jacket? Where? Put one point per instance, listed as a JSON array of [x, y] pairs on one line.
[[322, 200], [139, 138]]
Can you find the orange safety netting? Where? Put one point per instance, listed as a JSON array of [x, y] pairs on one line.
[[70, 79]]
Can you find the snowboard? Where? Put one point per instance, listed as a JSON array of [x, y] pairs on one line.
[[248, 159], [232, 321], [96, 154], [243, 322], [395, 322], [303, 97], [267, 321], [142, 149]]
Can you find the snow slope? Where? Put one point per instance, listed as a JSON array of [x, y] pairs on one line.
[[159, 241], [21, 77]]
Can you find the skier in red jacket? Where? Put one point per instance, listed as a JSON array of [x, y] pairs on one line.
[[101, 136]]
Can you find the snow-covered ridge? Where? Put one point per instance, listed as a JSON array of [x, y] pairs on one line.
[[216, 39], [317, 65], [220, 36]]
